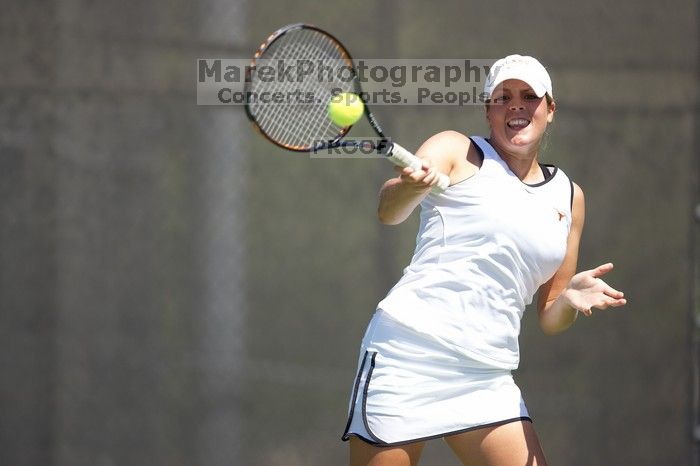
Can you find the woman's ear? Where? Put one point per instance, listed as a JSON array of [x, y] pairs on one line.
[[551, 108]]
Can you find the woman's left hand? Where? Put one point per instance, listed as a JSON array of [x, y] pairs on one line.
[[586, 290]]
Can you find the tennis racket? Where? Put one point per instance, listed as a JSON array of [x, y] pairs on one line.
[[292, 110]]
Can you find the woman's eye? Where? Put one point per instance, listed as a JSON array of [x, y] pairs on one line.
[[531, 97], [500, 99]]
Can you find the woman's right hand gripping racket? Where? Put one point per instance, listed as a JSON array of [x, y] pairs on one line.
[[291, 110]]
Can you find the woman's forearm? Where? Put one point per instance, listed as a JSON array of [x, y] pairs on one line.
[[397, 200], [557, 316]]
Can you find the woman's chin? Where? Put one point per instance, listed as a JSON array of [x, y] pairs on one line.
[[523, 139], [520, 138]]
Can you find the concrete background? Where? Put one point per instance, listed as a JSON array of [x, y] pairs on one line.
[[176, 291]]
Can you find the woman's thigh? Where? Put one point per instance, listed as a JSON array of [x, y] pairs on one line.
[[514, 443], [365, 454]]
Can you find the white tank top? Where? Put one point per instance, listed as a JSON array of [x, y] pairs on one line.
[[484, 247]]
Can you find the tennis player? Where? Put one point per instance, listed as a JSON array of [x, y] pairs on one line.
[[437, 356]]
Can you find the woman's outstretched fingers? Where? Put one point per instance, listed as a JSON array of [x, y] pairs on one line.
[[613, 293], [602, 269], [617, 302], [587, 291], [618, 297]]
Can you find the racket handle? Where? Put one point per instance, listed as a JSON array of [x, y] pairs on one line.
[[403, 158]]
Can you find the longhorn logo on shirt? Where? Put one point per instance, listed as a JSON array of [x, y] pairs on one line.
[[560, 214]]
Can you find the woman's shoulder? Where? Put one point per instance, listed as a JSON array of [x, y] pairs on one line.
[[446, 144], [453, 153]]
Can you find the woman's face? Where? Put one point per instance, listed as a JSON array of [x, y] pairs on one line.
[[518, 118]]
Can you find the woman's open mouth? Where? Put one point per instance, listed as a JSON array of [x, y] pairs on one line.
[[518, 123]]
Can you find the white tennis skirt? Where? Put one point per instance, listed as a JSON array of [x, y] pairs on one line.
[[410, 388]]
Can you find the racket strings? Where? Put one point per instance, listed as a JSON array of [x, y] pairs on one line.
[[307, 123], [297, 117], [270, 118], [312, 126], [320, 49]]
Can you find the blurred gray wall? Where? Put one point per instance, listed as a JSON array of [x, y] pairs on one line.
[[121, 224], [175, 291]]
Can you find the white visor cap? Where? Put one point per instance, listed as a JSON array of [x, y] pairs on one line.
[[524, 68]]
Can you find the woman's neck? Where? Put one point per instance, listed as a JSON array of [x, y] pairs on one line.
[[523, 163]]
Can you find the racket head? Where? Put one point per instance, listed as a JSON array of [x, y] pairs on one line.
[[299, 124]]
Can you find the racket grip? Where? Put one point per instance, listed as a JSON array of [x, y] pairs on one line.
[[403, 158]]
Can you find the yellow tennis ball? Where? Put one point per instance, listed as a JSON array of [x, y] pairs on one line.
[[345, 109]]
